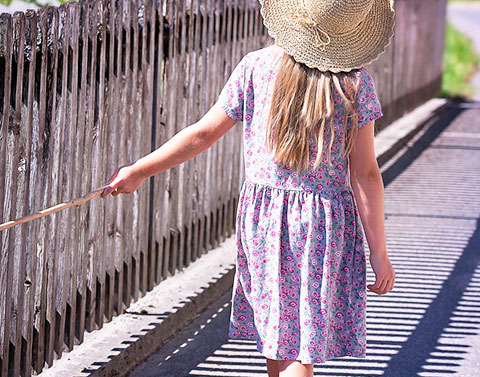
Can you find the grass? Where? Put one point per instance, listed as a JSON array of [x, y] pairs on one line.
[[35, 2], [460, 63]]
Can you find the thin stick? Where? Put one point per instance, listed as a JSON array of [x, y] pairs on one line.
[[59, 207]]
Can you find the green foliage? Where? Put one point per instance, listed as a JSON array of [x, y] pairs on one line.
[[460, 63], [463, 1], [40, 4]]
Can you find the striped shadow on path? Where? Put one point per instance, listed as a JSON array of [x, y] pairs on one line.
[[429, 324]]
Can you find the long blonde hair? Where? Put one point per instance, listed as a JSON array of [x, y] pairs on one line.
[[302, 103]]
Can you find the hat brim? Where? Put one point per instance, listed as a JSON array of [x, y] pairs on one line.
[[345, 52]]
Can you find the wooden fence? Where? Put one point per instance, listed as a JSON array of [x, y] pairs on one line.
[[410, 71], [93, 85]]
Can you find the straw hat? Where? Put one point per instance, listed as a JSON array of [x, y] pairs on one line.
[[330, 35]]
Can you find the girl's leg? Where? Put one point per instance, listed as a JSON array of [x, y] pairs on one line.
[[272, 368], [288, 368]]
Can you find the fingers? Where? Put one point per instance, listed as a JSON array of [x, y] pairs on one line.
[[116, 188], [382, 286], [112, 189], [390, 286], [375, 287], [110, 186], [107, 191], [119, 183]]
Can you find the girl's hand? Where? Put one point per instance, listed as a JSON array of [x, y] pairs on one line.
[[384, 273], [124, 181]]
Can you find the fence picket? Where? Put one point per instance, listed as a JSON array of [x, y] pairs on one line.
[[77, 146]]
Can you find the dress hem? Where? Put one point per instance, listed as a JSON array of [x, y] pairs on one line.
[[313, 361]]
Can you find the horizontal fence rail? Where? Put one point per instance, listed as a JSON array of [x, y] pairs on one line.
[[92, 85]]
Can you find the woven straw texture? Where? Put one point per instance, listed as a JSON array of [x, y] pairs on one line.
[[331, 35]]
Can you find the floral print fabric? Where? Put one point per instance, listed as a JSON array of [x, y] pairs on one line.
[[300, 283]]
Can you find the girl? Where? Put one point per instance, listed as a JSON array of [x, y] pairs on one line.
[[307, 108]]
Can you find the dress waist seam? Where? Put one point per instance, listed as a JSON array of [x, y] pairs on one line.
[[342, 188]]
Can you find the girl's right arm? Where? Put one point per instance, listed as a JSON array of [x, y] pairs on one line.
[[183, 146], [367, 185]]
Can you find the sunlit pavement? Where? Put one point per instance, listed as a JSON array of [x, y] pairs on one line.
[[429, 324]]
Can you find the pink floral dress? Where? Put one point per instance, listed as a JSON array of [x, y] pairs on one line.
[[300, 283]]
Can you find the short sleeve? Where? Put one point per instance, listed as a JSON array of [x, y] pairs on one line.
[[232, 96], [368, 104]]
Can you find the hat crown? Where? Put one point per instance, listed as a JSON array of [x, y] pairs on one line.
[[337, 16], [330, 35]]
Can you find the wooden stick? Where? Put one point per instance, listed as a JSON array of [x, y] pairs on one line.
[[59, 207]]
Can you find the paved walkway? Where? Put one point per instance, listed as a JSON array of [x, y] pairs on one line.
[[465, 16], [429, 324]]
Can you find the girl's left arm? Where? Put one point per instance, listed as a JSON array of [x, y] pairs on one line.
[[185, 145]]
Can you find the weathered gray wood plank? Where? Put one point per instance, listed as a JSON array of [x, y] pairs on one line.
[[111, 119], [121, 129], [159, 127], [37, 279], [76, 179], [90, 149], [65, 189], [16, 174], [144, 99], [6, 24], [54, 178], [83, 240], [31, 195], [99, 172]]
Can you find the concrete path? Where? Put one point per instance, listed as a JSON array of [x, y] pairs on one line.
[[465, 16], [429, 324]]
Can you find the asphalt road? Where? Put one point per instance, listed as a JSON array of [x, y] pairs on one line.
[[429, 324], [465, 16]]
